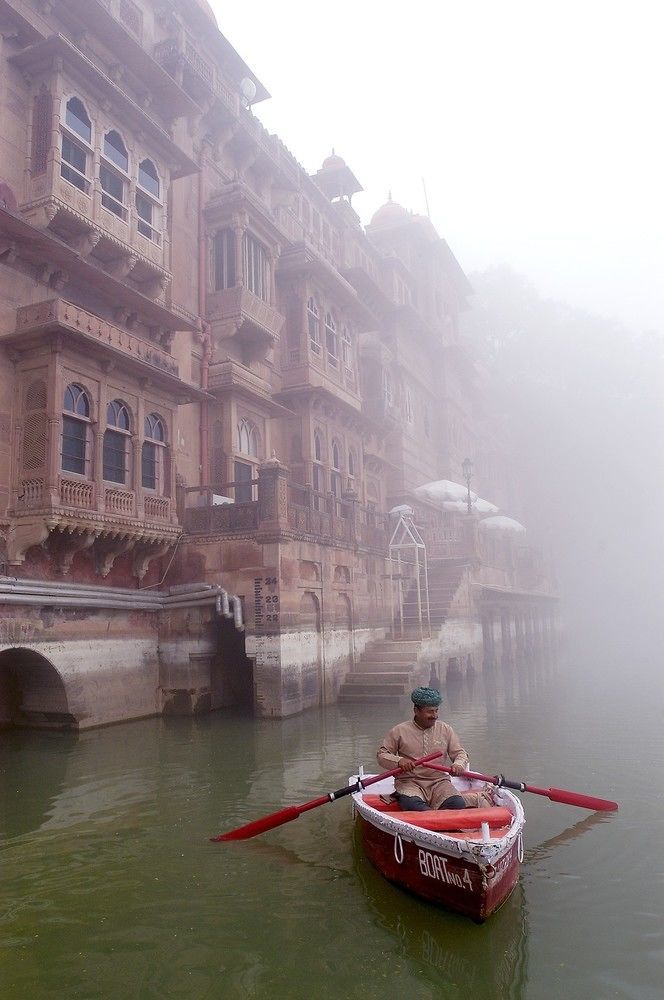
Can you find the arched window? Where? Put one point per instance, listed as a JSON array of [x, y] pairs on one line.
[[113, 184], [116, 443], [152, 453], [115, 150], [318, 446], [247, 437], [335, 474], [408, 399], [77, 119], [347, 348], [148, 177], [147, 209], [313, 324], [331, 341], [75, 429], [74, 155], [352, 463], [388, 392]]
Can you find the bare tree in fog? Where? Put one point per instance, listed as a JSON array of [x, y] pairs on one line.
[[583, 399]]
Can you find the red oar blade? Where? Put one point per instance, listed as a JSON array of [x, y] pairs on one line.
[[260, 825], [576, 799]]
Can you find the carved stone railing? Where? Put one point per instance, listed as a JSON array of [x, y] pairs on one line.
[[119, 502], [233, 307], [32, 493], [157, 507], [74, 493], [222, 519]]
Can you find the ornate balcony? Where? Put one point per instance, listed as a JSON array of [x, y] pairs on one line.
[[238, 312]]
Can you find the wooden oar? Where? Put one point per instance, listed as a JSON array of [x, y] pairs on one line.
[[555, 794], [292, 812]]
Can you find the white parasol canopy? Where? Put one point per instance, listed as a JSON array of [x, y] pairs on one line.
[[454, 496], [502, 523]]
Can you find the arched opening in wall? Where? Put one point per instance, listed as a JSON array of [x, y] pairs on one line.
[[343, 640], [231, 672], [32, 693], [313, 668]]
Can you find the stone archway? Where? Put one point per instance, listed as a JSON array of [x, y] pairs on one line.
[[32, 692], [312, 666]]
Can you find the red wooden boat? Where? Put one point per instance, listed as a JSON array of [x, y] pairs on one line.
[[467, 860]]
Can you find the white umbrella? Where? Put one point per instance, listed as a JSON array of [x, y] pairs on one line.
[[444, 490], [502, 523]]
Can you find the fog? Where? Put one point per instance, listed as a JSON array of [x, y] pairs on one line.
[[529, 133]]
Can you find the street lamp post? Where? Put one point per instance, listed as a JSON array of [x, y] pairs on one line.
[[467, 467]]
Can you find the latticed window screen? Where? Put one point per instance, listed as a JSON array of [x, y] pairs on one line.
[[41, 131]]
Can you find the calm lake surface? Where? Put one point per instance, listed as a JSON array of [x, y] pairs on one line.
[[110, 888]]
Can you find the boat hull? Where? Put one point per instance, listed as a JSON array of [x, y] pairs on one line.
[[456, 883]]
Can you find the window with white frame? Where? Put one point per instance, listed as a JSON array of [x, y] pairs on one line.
[[148, 201], [113, 175], [313, 324], [247, 438], [153, 453], [331, 341], [388, 392], [256, 267], [76, 426], [224, 259], [335, 474], [76, 145], [408, 399], [347, 348], [116, 443]]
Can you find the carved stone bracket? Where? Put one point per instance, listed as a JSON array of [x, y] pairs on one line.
[[66, 542], [122, 265], [85, 244], [108, 550], [145, 552], [23, 536]]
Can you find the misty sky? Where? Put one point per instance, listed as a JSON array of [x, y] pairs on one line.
[[536, 126]]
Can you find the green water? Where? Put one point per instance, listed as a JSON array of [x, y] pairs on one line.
[[110, 889]]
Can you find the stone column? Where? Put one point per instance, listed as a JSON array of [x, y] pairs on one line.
[[272, 497]]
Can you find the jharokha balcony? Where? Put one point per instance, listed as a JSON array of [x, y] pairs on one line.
[[273, 508], [68, 511]]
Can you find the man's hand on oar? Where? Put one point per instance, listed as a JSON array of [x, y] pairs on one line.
[[555, 794], [292, 812]]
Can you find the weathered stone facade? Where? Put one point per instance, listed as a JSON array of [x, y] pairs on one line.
[[211, 376]]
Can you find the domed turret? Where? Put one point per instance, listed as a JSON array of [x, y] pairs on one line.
[[336, 179], [389, 214]]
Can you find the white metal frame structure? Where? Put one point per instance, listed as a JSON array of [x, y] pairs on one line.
[[407, 549]]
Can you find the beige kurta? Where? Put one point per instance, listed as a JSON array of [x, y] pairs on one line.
[[408, 740]]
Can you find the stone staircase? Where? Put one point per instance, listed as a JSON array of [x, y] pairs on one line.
[[383, 671], [444, 578]]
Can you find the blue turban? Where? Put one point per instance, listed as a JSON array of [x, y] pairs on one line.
[[423, 697]]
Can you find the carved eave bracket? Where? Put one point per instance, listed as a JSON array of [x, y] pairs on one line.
[[147, 550], [108, 548], [66, 541], [22, 535]]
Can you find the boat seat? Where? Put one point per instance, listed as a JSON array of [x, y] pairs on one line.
[[444, 819]]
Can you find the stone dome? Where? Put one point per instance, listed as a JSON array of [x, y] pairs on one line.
[[333, 162], [389, 214]]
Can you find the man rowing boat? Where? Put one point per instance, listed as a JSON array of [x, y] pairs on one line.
[[420, 788]]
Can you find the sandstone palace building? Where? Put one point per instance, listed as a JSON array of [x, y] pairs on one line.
[[219, 397]]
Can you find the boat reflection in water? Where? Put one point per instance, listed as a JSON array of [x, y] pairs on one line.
[[464, 959]]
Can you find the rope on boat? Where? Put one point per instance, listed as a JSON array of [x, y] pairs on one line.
[[520, 848], [398, 848]]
